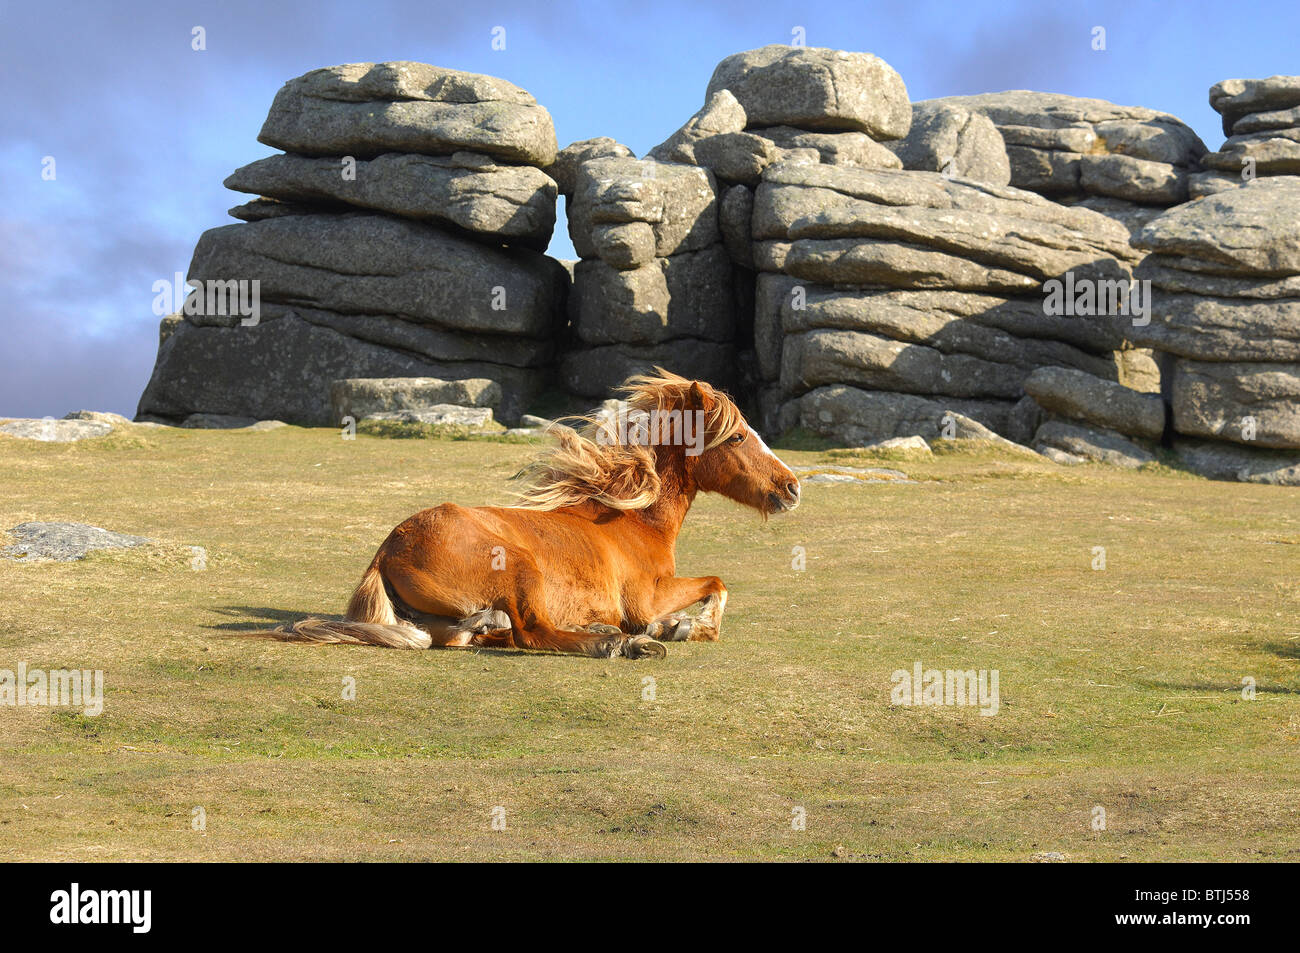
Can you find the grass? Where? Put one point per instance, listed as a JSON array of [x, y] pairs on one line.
[[1120, 688]]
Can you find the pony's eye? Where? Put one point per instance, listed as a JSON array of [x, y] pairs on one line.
[[738, 438]]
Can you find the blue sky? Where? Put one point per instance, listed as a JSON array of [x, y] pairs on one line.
[[143, 128]]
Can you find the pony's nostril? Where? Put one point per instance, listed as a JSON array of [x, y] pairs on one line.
[[792, 489]]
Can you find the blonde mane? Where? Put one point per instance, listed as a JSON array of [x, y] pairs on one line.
[[592, 462]]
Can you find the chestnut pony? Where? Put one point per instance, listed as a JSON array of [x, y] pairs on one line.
[[585, 563]]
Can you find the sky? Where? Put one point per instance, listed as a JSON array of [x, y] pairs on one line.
[[143, 128]]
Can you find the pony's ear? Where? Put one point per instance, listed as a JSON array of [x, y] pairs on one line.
[[696, 399]]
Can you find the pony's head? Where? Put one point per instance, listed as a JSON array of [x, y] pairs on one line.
[[722, 453]]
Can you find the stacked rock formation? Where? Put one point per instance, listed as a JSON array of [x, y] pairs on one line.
[[667, 270], [782, 103], [861, 266], [1123, 161], [1261, 118], [1078, 417], [803, 106], [889, 300], [654, 283], [1227, 309], [399, 235]]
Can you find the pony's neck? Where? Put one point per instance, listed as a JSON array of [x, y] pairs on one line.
[[676, 492]]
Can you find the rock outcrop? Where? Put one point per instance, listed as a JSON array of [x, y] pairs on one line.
[[777, 106], [654, 285], [399, 236], [1261, 118], [922, 284], [838, 257], [1067, 147], [1125, 162], [1227, 268]]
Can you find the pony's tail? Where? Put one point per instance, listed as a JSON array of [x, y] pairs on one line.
[[370, 620]]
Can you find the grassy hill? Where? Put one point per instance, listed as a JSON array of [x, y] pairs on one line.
[[1120, 688]]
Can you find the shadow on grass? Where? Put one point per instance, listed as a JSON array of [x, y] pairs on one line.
[[1220, 688], [255, 618], [259, 618], [1289, 650]]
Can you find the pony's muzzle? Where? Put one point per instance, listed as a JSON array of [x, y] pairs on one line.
[[786, 500]]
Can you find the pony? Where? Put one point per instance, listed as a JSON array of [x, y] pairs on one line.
[[585, 561]]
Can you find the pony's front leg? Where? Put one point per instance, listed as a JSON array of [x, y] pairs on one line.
[[674, 595], [524, 605]]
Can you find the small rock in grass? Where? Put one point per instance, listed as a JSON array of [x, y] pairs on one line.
[[49, 430], [63, 542], [913, 444], [837, 474], [1063, 458]]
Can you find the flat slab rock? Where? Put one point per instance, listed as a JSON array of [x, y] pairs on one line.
[[438, 415], [366, 109], [1234, 99], [838, 474], [856, 417], [913, 444], [363, 263], [48, 430], [1248, 231], [465, 190], [361, 397], [840, 225], [281, 369], [1225, 461], [63, 542], [1093, 443], [1106, 404]]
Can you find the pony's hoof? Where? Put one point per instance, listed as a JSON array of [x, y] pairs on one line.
[[601, 628], [672, 629], [642, 646]]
